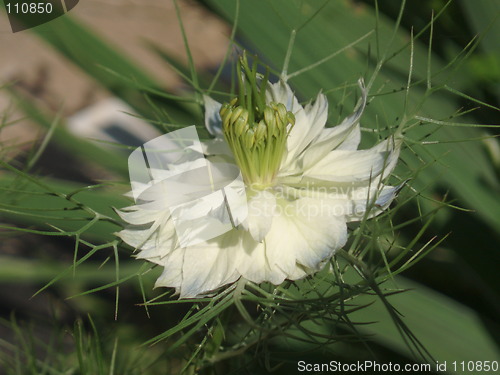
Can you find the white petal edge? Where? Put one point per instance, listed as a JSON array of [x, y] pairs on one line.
[[356, 166], [345, 136], [210, 265], [303, 234], [213, 121]]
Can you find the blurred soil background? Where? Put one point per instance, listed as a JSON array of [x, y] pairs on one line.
[[129, 25], [47, 78]]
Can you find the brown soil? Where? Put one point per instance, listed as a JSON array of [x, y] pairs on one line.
[[127, 25]]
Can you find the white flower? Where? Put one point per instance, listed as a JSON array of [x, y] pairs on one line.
[[304, 183]]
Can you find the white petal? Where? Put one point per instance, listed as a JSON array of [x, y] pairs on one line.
[[255, 266], [210, 265], [172, 272], [280, 92], [137, 237], [306, 234], [354, 202], [213, 121], [317, 115], [212, 205], [350, 201], [374, 199], [336, 138], [193, 232], [353, 166], [135, 215], [345, 136], [161, 241], [349, 128], [261, 206], [309, 123], [216, 146]]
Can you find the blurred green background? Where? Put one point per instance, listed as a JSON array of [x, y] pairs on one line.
[[453, 305]]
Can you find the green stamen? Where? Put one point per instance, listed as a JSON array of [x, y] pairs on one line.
[[256, 131]]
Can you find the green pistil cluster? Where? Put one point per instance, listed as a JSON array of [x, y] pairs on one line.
[[256, 131]]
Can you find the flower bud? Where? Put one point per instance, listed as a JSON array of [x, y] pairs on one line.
[[255, 129]]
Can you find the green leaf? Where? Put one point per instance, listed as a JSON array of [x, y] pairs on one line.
[[449, 330], [44, 204]]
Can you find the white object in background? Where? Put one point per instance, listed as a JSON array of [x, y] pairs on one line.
[[112, 120]]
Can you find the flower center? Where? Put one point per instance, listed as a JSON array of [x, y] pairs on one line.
[[256, 131]]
